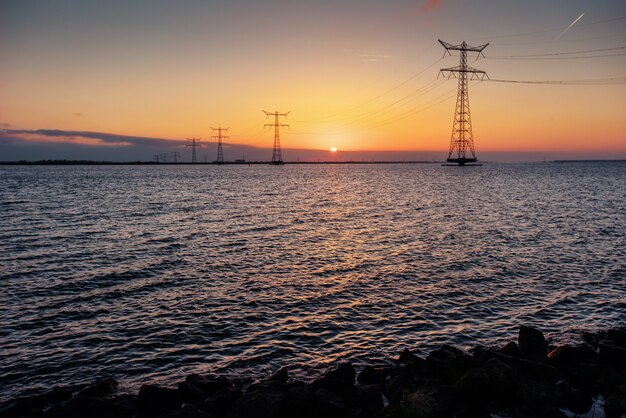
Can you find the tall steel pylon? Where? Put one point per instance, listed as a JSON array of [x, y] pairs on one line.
[[277, 156], [193, 143], [220, 138], [462, 138]]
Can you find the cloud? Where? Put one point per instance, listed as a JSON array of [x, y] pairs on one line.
[[5, 125], [430, 5], [78, 114], [368, 56], [82, 138]]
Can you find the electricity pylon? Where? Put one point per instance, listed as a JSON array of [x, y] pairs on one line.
[[462, 138], [277, 156], [220, 138], [193, 143]]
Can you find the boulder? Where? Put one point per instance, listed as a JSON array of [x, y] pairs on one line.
[[615, 405], [100, 388], [187, 411], [475, 385], [261, 403], [617, 336], [535, 394], [505, 380], [566, 355], [191, 393], [54, 396], [208, 384], [368, 398], [298, 403], [154, 400], [371, 376], [344, 373], [612, 354], [532, 343], [573, 399], [219, 403], [512, 349], [85, 406], [328, 404]]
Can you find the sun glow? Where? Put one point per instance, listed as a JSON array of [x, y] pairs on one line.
[[333, 149]]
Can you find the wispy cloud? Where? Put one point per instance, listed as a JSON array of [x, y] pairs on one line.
[[430, 5], [368, 56], [98, 139]]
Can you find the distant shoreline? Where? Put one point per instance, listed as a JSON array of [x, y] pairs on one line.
[[90, 162]]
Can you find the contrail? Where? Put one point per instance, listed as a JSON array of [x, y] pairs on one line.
[[570, 26]]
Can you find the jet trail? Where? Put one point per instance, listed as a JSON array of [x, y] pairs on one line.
[[570, 26]]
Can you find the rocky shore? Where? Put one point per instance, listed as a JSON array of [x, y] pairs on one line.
[[527, 378]]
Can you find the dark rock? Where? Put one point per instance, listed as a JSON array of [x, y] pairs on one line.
[[617, 335], [475, 385], [17, 408], [127, 405], [566, 355], [575, 400], [532, 343], [591, 338], [280, 376], [610, 380], [208, 385], [343, 373], [85, 406], [615, 405], [100, 388], [260, 403], [187, 411], [368, 398], [512, 349], [406, 356], [396, 388], [584, 376], [356, 412], [298, 403], [154, 400], [530, 369], [535, 394], [612, 354], [53, 396], [221, 401], [190, 392], [328, 404], [371, 376], [452, 368], [549, 411], [505, 380]]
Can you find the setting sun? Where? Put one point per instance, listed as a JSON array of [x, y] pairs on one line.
[[333, 149]]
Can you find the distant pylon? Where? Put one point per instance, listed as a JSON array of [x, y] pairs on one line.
[[193, 143], [462, 138], [277, 156], [220, 138]]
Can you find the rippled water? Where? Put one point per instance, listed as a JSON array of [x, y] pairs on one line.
[[150, 272]]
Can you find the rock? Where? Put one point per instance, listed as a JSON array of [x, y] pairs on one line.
[[187, 411], [549, 411], [615, 405], [368, 398], [452, 368], [406, 356], [221, 401], [617, 335], [475, 385], [532, 343], [505, 380], [343, 373], [53, 396], [261, 403], [208, 385], [191, 393], [85, 406], [566, 355], [512, 349], [127, 405], [16, 408], [371, 376], [575, 400], [535, 394], [612, 354], [280, 376], [100, 388], [530, 369], [154, 400], [298, 403], [328, 404]]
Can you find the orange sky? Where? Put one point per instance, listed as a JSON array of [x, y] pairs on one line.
[[357, 76]]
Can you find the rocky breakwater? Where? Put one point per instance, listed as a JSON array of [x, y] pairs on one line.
[[527, 378]]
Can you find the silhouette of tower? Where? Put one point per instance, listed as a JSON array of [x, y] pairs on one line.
[[462, 139], [220, 138], [277, 156], [193, 143]]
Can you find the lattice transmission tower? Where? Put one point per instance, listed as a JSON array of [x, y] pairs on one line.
[[277, 156], [193, 143], [220, 139], [462, 139]]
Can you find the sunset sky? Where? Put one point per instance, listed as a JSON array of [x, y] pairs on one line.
[[358, 75]]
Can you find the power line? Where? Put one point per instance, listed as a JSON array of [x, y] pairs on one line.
[[588, 82], [558, 58], [588, 51]]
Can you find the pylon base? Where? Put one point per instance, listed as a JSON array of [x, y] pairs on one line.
[[461, 161], [277, 163]]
